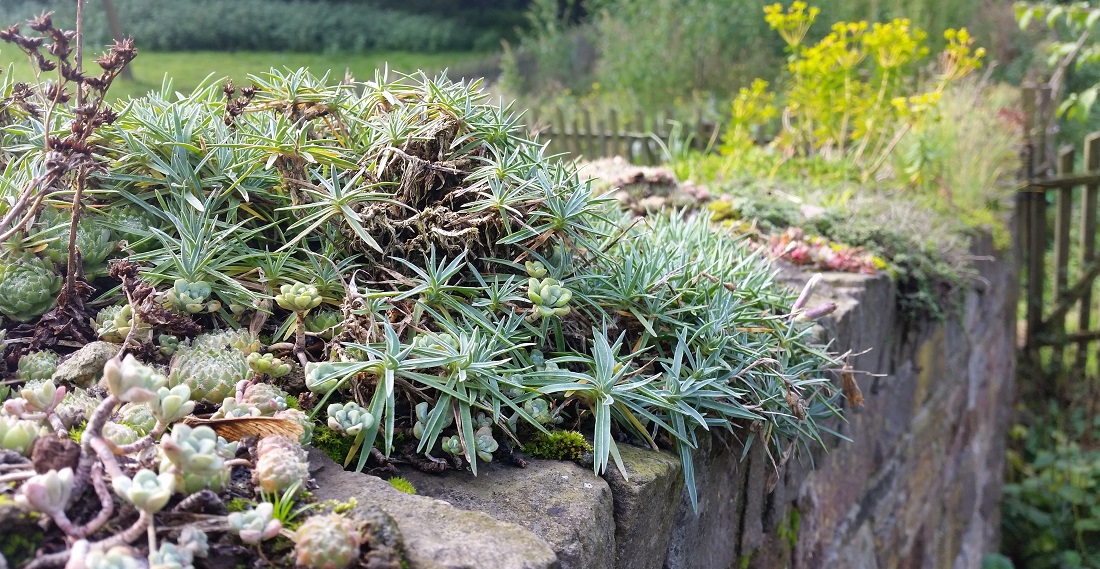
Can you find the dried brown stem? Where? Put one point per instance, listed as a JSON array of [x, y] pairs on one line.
[[93, 436], [74, 255], [300, 337], [106, 503], [105, 453], [17, 476], [32, 190], [78, 60], [60, 558], [144, 442]]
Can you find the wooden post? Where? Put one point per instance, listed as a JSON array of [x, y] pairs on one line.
[[605, 137], [562, 142], [1063, 216], [698, 136], [616, 134], [590, 152], [1088, 242], [578, 137], [1035, 241], [660, 130], [636, 141], [644, 140]]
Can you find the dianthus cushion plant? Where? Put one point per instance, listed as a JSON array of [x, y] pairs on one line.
[[474, 273]]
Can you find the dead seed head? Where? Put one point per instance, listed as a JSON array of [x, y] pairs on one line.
[[42, 22], [10, 34], [55, 92], [45, 64]]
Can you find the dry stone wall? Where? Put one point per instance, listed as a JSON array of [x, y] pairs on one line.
[[917, 486]]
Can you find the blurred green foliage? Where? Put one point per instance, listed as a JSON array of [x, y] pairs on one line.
[[281, 25], [1051, 508], [657, 54]]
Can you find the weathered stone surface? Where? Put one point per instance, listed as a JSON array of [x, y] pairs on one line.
[[645, 502], [917, 488], [561, 502], [705, 540], [85, 366], [436, 535]]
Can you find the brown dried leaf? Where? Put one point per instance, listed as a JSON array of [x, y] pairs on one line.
[[850, 387], [237, 428]]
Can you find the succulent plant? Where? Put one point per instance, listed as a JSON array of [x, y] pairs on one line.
[[483, 420], [42, 395], [120, 433], [194, 540], [105, 323], [280, 465], [211, 366], [114, 324], [168, 344], [28, 286], [539, 409], [231, 408], [241, 340], [47, 492], [422, 410], [36, 366], [302, 419], [255, 525], [349, 418], [268, 398], [267, 364], [452, 445], [328, 541], [118, 557], [18, 435], [147, 491], [486, 444], [325, 323], [95, 245], [171, 556], [171, 405], [535, 269], [191, 297], [138, 416], [549, 297], [198, 457], [77, 406], [298, 297], [441, 342], [132, 381], [321, 377], [93, 239]]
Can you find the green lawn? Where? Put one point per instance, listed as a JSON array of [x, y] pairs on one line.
[[188, 69]]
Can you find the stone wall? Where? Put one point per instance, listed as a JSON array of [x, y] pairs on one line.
[[918, 486]]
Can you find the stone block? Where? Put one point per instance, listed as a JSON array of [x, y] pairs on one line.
[[704, 539], [645, 502], [564, 504], [436, 535]]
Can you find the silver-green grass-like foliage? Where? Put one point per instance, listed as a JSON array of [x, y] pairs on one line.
[[474, 274]]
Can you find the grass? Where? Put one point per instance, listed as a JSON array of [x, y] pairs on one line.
[[188, 69]]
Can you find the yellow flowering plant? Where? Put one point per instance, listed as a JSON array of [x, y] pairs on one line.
[[852, 95]]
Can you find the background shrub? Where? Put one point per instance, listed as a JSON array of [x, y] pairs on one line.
[[663, 52], [279, 25]]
